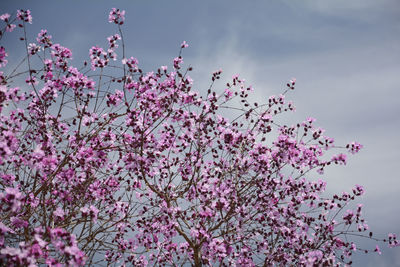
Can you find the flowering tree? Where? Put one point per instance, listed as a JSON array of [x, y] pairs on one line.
[[108, 165]]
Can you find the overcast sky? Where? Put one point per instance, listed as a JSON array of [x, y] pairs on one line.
[[345, 55]]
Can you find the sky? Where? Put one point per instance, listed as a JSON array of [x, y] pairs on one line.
[[344, 54]]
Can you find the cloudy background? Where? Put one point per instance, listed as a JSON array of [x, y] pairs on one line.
[[345, 55]]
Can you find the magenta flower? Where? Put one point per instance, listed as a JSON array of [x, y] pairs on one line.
[[228, 93], [131, 63], [3, 55], [24, 15], [339, 159], [184, 44], [5, 17], [18, 222], [116, 16], [378, 250], [59, 213], [98, 57], [44, 38], [11, 199], [4, 229], [10, 27], [33, 49], [177, 61], [354, 147]]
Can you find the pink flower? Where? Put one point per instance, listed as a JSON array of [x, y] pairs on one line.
[[184, 44], [5, 17], [358, 190], [348, 216], [131, 63], [33, 49], [10, 27], [340, 158], [92, 211], [228, 93], [115, 99], [112, 40], [116, 16], [5, 229], [3, 55], [59, 213], [31, 80], [291, 83], [12, 197], [17, 222], [354, 147], [44, 38], [98, 57], [377, 249], [24, 15], [177, 61], [60, 55]]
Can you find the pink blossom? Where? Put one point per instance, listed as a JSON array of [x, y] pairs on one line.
[[59, 213], [116, 16], [33, 48], [228, 93], [5, 17], [98, 57], [177, 61], [44, 38], [3, 55], [18, 222], [131, 63], [354, 147], [24, 15], [339, 158], [10, 27], [4, 229], [378, 250], [184, 44]]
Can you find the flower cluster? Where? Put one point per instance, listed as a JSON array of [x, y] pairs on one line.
[[60, 56], [354, 147], [116, 16], [24, 15], [131, 63], [10, 26], [44, 38], [3, 55], [98, 57], [112, 42], [33, 49]]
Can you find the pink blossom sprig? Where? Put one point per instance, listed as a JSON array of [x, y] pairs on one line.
[[6, 18], [44, 38], [24, 15], [116, 16], [3, 55]]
